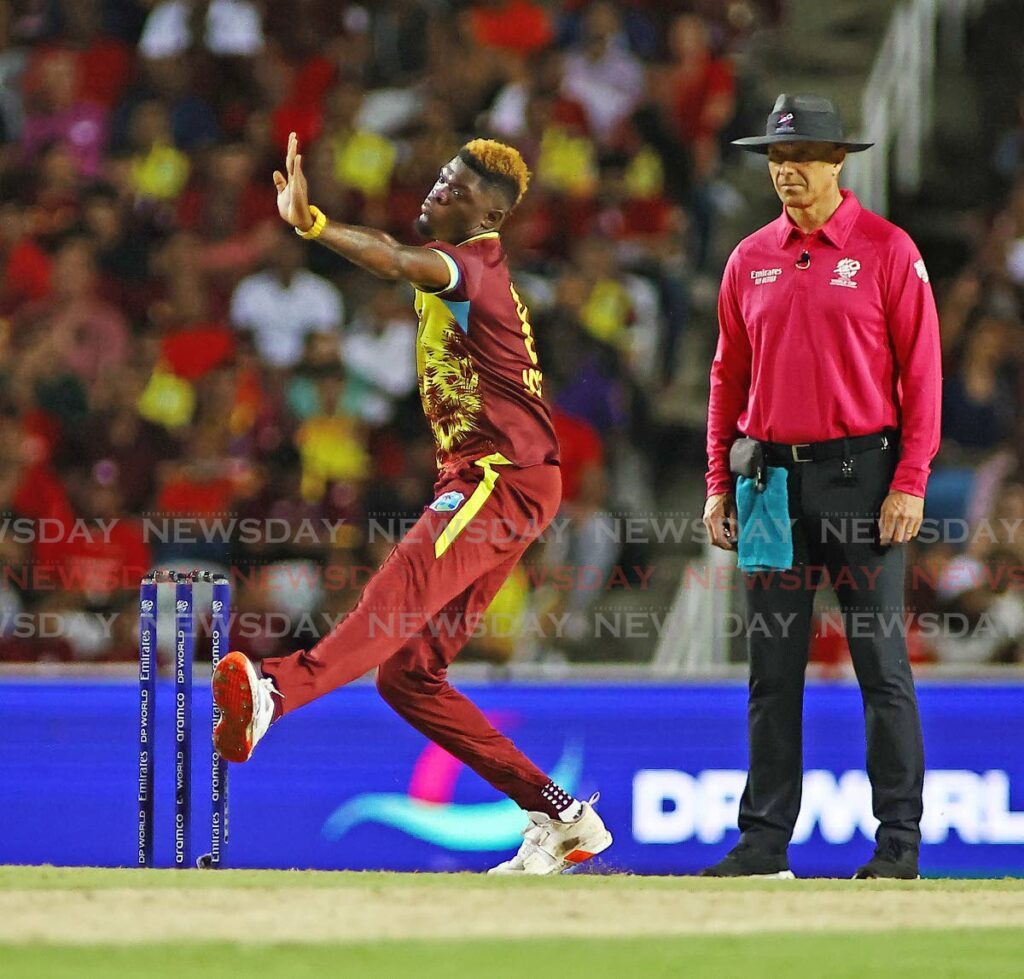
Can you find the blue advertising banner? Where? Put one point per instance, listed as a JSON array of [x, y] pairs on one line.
[[344, 783]]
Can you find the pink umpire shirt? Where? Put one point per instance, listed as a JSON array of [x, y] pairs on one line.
[[847, 346]]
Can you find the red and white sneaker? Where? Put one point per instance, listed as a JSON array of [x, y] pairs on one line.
[[246, 705], [551, 846]]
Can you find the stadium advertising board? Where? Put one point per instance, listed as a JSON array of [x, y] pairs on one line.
[[346, 784]]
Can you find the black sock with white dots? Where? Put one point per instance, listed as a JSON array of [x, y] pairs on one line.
[[559, 804]]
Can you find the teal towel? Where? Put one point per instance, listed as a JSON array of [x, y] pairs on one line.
[[766, 535]]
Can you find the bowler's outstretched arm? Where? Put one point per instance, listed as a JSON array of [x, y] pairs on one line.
[[376, 251]]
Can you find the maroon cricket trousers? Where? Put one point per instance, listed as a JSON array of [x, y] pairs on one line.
[[424, 603]]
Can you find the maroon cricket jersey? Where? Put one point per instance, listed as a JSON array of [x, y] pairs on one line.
[[480, 381]]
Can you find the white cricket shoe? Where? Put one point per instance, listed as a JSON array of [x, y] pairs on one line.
[[246, 706], [551, 846]]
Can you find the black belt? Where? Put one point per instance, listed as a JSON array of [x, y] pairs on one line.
[[781, 454]]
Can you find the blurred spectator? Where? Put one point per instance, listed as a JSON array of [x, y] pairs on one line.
[[958, 302], [631, 210], [102, 63], [399, 33], [122, 258], [158, 169], [461, 74], [363, 160], [84, 332], [498, 635], [601, 74], [108, 552], [25, 266], [118, 444], [194, 342], [608, 310], [227, 206], [1010, 228], [701, 91], [331, 442], [1008, 160], [13, 60], [56, 199], [223, 27], [539, 78], [197, 488], [379, 354], [566, 158], [978, 405], [57, 113], [305, 393], [283, 304], [175, 83], [519, 26], [581, 549], [979, 590], [587, 375]]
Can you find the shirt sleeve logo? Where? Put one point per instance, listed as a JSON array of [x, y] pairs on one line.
[[447, 502], [844, 272], [922, 272], [762, 277]]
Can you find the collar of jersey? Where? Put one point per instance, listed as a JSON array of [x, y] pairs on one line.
[[835, 230], [483, 234]]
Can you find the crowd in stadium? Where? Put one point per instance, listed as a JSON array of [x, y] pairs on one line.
[[975, 572], [171, 350]]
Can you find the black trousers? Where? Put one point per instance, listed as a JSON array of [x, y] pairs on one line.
[[835, 529]]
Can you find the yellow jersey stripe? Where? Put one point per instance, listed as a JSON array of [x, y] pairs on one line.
[[483, 234], [472, 506]]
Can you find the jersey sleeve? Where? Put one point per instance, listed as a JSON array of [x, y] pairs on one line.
[[914, 329], [730, 381], [464, 268]]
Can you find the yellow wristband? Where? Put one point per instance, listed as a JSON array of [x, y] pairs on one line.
[[319, 223]]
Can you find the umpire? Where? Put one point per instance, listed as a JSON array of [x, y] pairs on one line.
[[828, 365]]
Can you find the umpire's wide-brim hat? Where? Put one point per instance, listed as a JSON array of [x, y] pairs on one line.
[[801, 119]]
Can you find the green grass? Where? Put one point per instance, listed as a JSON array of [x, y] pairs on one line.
[[989, 953], [102, 878], [97, 898]]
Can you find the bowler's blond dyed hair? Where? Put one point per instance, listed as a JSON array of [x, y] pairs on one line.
[[499, 163]]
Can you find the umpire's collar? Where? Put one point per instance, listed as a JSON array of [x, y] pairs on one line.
[[835, 230]]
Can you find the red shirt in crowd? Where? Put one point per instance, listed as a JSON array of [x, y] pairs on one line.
[[102, 69], [516, 25], [480, 380], [847, 346], [579, 447], [101, 559], [26, 275], [196, 349], [693, 91]]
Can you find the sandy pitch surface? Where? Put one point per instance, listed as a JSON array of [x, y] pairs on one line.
[[467, 909]]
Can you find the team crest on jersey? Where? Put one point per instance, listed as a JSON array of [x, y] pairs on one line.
[[845, 270], [447, 502], [922, 272]]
